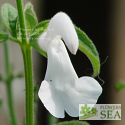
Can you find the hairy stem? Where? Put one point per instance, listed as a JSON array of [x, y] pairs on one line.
[[29, 92], [26, 51], [22, 21]]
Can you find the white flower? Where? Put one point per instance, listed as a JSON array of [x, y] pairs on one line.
[[62, 90], [60, 25]]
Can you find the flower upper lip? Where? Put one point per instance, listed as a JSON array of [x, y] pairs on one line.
[[60, 25]]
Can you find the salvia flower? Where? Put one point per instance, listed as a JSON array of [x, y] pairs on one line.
[[62, 90]]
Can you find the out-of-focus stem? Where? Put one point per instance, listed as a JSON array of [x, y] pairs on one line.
[[9, 86]]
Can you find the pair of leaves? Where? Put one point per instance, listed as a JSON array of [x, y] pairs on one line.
[[11, 20], [10, 17], [85, 45]]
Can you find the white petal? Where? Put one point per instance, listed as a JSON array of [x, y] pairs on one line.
[[86, 90], [51, 99], [59, 65], [62, 25], [43, 41]]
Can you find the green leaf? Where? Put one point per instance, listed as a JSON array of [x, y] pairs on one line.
[[36, 32], [18, 32], [52, 120], [3, 36], [120, 85], [85, 45], [89, 49], [10, 15], [30, 16], [2, 25], [73, 123], [36, 88]]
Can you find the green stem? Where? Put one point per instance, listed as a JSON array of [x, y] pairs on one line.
[[29, 91], [10, 102], [26, 50], [22, 21], [9, 86], [6, 59], [15, 40]]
